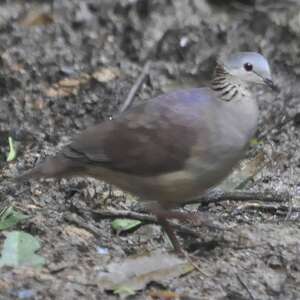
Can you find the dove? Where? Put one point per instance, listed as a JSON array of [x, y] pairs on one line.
[[174, 147]]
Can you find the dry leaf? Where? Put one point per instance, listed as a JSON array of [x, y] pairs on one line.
[[77, 232], [52, 92], [69, 82], [67, 86], [135, 272], [106, 74], [84, 78], [32, 206], [37, 19], [163, 295]]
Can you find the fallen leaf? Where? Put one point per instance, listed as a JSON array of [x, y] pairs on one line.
[[164, 295], [69, 82], [124, 291], [52, 92], [12, 150], [77, 232], [19, 250], [62, 91], [135, 273], [67, 86], [37, 18], [84, 78], [10, 217], [106, 74], [121, 225]]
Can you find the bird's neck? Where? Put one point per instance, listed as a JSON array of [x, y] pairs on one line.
[[228, 87]]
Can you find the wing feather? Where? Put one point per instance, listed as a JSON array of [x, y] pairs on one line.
[[151, 139]]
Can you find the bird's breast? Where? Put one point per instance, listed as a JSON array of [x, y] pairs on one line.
[[227, 136]]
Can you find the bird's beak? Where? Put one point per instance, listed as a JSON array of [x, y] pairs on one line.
[[270, 83]]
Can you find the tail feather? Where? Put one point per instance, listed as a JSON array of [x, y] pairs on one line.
[[57, 166]]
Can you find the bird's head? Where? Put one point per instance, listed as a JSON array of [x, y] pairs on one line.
[[249, 67]]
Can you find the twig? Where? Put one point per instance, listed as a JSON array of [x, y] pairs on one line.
[[135, 88], [217, 196], [268, 208], [245, 287], [196, 267], [111, 214], [74, 219]]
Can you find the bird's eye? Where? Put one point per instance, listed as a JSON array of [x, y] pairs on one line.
[[248, 67]]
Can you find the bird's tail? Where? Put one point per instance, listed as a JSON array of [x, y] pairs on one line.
[[57, 166]]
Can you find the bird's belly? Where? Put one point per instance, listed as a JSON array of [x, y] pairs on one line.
[[175, 188], [171, 189], [168, 190]]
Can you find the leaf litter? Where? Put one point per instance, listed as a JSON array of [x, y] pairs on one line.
[[19, 250], [134, 273], [10, 217]]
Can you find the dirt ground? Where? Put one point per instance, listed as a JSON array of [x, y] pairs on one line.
[[66, 65]]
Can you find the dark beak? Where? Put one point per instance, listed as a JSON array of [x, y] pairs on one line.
[[271, 84]]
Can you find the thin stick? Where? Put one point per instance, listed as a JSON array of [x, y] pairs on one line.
[[245, 287], [220, 196], [268, 208], [136, 87], [74, 219]]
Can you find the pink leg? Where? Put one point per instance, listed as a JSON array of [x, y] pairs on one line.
[[171, 234], [162, 218], [195, 218]]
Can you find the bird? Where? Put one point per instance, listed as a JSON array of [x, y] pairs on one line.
[[173, 147]]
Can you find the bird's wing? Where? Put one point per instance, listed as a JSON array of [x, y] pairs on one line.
[[151, 139]]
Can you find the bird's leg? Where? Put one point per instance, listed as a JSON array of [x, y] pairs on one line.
[[163, 221], [162, 218], [162, 215], [195, 218]]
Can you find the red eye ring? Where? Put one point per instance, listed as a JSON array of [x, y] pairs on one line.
[[248, 67]]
